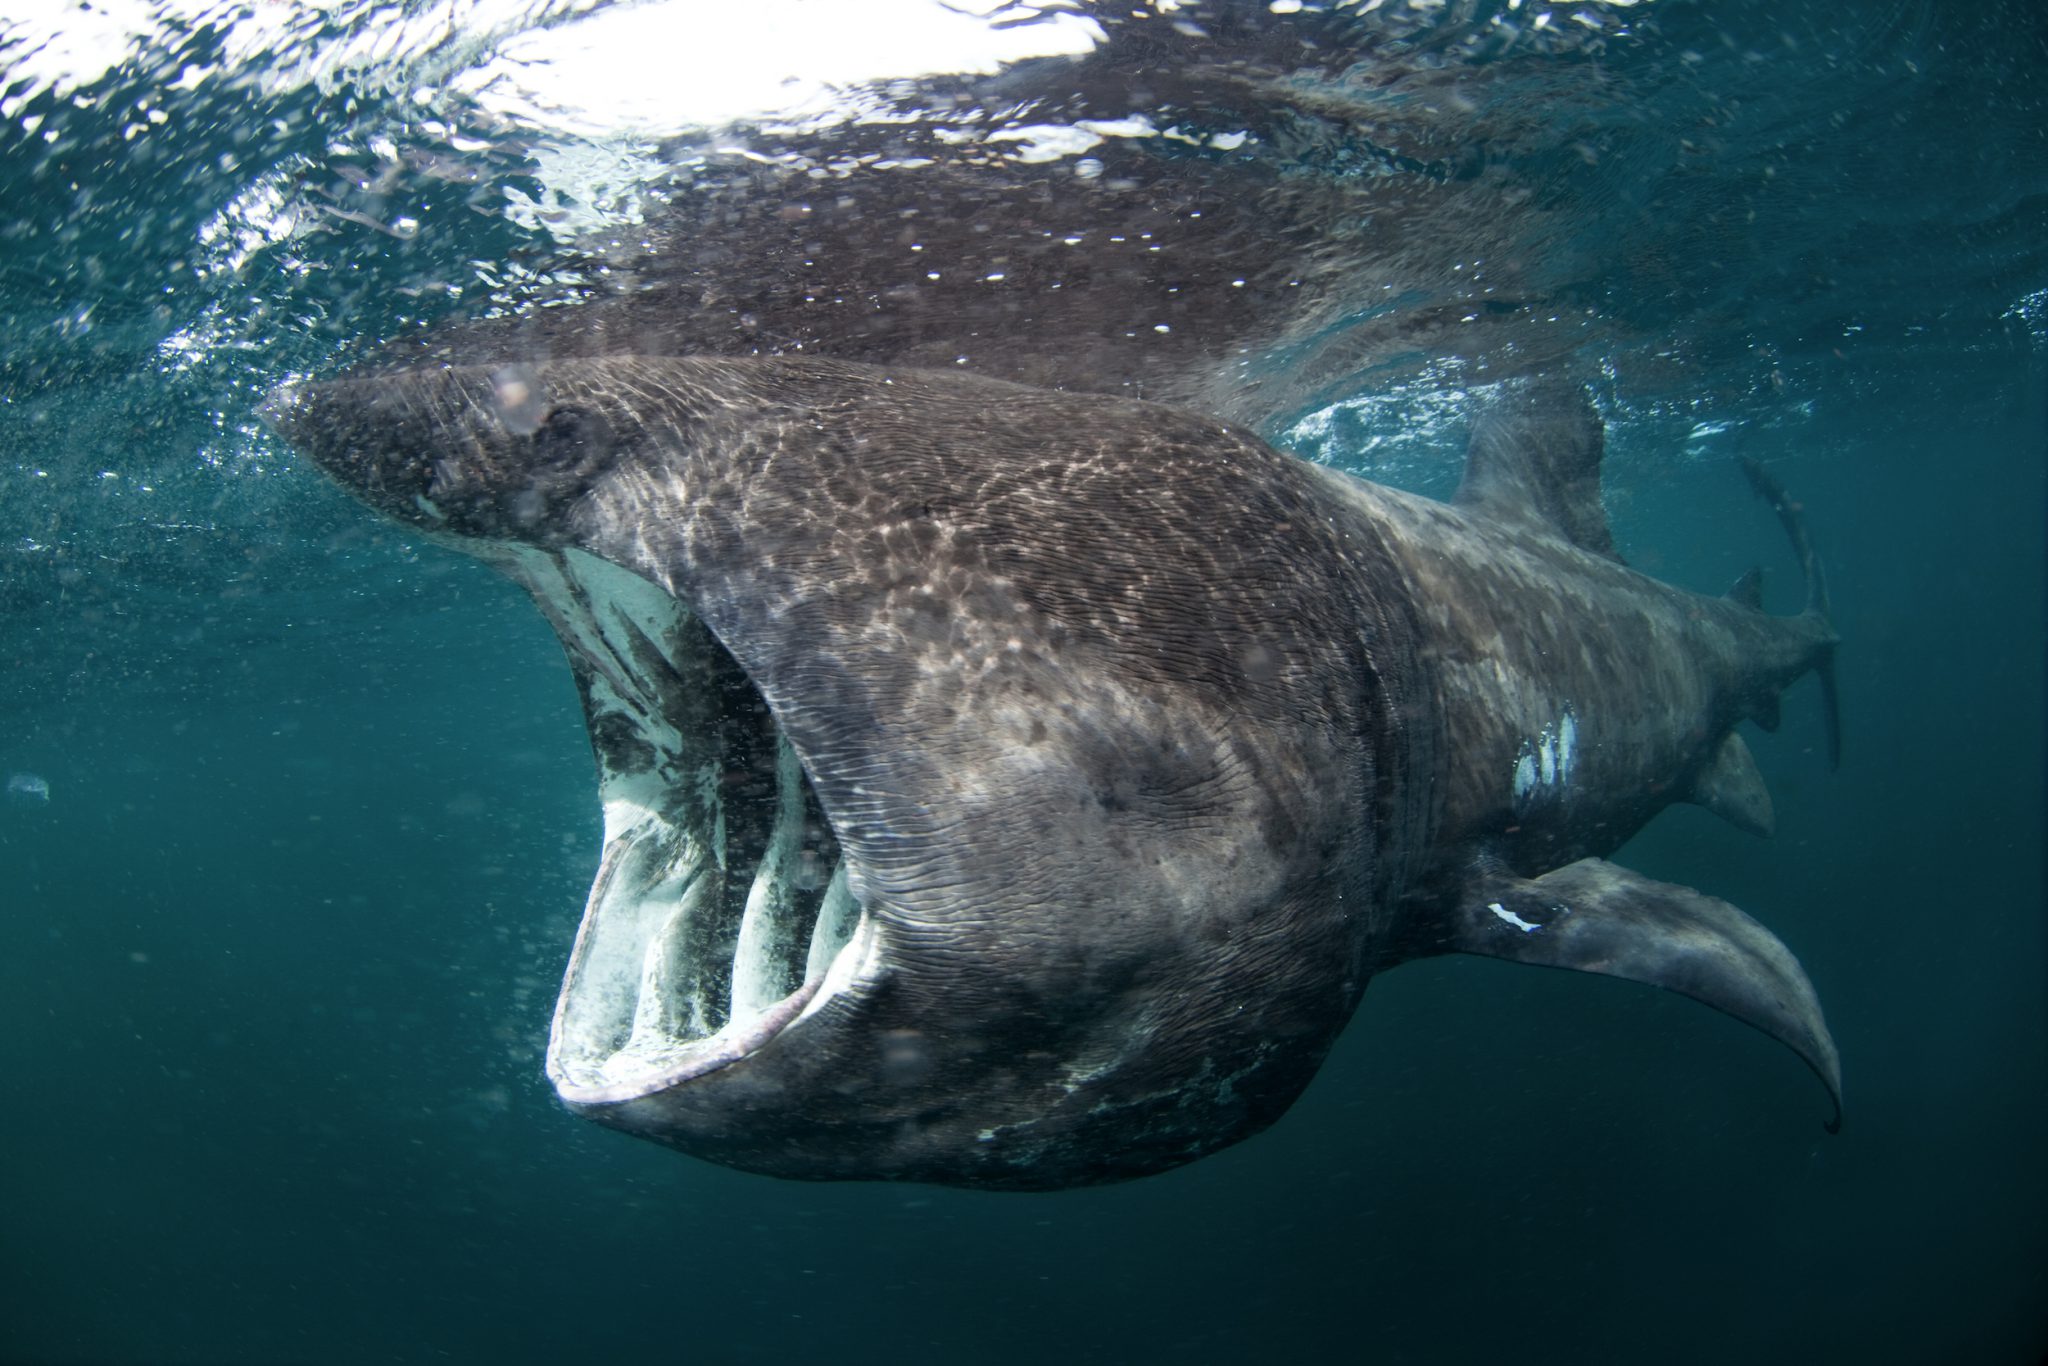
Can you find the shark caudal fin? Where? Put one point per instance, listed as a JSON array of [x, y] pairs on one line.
[[1594, 916], [1791, 517], [1534, 458]]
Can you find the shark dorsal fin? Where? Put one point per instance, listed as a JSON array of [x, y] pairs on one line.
[[1534, 457]]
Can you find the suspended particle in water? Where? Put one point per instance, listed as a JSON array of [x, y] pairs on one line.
[[27, 787]]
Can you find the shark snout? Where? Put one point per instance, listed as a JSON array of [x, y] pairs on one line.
[[281, 410]]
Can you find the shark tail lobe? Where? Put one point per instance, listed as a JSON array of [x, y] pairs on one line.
[[1791, 516]]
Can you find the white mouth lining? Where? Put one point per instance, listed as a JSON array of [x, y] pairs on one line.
[[661, 985]]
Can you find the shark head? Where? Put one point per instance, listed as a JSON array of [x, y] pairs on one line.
[[998, 784]]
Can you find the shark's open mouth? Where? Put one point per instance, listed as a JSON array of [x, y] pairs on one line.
[[721, 906]]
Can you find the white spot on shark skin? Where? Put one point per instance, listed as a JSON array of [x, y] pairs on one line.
[[1543, 770], [1511, 918]]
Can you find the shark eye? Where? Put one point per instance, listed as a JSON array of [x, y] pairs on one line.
[[570, 436]]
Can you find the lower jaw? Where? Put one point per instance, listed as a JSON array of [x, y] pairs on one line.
[[685, 1062], [644, 1008]]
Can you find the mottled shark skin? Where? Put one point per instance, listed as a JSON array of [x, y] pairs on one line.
[[1017, 789]]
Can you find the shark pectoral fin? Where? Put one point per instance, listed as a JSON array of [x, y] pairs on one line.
[[1592, 916], [1731, 788]]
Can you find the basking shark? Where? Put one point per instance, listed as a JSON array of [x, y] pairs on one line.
[[1015, 788]]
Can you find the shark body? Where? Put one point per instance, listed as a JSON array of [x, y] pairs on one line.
[[1017, 788]]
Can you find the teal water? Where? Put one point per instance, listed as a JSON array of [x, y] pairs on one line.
[[279, 943]]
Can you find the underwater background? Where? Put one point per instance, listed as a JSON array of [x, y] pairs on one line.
[[299, 811]]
